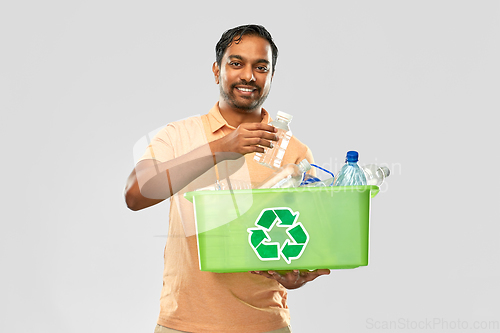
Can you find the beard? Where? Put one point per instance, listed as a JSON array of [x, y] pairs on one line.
[[249, 104]]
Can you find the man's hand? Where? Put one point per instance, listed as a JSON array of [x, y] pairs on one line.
[[247, 138], [293, 279]]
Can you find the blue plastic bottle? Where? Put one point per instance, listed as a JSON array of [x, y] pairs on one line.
[[351, 173]]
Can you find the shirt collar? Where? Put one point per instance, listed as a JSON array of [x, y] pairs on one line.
[[217, 121]]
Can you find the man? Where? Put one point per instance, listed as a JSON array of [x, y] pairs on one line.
[[181, 157]]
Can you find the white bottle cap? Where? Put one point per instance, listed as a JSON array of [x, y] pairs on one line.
[[284, 115], [386, 171], [304, 165]]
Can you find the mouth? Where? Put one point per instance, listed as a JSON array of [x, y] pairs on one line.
[[246, 90]]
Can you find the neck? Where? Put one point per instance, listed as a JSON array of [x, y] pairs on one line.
[[235, 117]]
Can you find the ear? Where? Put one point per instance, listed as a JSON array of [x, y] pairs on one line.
[[216, 70]]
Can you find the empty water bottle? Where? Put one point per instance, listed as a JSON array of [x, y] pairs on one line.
[[375, 175], [319, 183], [311, 181], [287, 176], [351, 173], [272, 157]]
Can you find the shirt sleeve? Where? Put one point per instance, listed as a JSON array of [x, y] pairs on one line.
[[161, 147]]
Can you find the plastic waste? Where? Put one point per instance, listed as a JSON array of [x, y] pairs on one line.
[[320, 183], [272, 157], [311, 181], [351, 173], [290, 175], [227, 185], [375, 175]]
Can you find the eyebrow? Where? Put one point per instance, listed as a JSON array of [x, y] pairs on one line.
[[236, 56]]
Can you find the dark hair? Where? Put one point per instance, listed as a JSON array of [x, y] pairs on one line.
[[229, 36]]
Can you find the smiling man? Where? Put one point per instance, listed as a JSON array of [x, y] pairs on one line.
[[179, 156], [244, 74]]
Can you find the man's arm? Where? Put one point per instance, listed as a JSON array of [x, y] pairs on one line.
[[133, 197], [152, 182]]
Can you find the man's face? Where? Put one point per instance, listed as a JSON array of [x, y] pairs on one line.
[[244, 76]]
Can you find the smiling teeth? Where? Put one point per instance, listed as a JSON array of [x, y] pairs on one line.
[[245, 89]]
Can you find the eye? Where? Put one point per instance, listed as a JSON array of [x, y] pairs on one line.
[[262, 68], [234, 63]]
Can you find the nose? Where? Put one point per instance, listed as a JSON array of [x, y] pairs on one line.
[[246, 74]]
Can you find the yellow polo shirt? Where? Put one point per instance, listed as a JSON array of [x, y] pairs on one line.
[[196, 301]]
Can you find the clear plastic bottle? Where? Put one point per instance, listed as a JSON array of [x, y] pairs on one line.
[[351, 173], [309, 180], [321, 183], [287, 176], [272, 157], [375, 175]]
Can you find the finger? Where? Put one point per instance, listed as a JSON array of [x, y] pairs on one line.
[[275, 275], [261, 135], [260, 142], [319, 272], [296, 273], [324, 271], [263, 273], [269, 136], [259, 126], [309, 276], [252, 149], [255, 145]]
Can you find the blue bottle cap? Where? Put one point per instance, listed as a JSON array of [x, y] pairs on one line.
[[352, 156]]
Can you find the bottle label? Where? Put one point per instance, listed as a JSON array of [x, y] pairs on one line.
[[272, 157]]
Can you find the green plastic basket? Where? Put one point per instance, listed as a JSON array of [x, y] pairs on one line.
[[283, 229]]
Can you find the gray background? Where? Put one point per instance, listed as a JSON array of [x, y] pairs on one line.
[[410, 84]]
